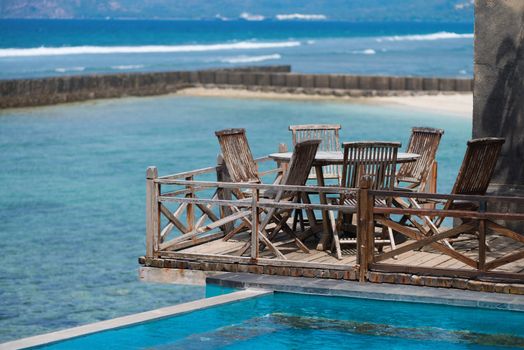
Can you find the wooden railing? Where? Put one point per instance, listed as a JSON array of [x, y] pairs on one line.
[[209, 210], [206, 210], [476, 223]]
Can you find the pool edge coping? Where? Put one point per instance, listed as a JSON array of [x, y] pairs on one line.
[[134, 319], [375, 291]]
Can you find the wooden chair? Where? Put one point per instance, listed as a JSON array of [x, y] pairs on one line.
[[473, 177], [330, 142], [424, 142], [375, 159], [296, 175], [237, 155], [241, 167]]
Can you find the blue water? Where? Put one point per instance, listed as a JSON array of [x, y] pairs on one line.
[[287, 321], [58, 47], [72, 185]]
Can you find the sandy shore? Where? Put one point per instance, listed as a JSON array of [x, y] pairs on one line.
[[460, 105]]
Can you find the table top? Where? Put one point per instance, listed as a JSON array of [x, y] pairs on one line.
[[328, 158]]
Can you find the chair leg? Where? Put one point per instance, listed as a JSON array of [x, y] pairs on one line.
[[295, 219], [391, 239], [297, 240], [301, 218], [432, 226]]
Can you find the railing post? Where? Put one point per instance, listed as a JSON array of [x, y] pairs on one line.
[[365, 227], [152, 212], [254, 224], [223, 193], [190, 211], [482, 238]]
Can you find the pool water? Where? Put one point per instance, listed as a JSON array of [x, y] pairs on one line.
[[72, 191], [292, 321]]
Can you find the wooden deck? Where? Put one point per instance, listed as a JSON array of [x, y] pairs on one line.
[[429, 258], [323, 264], [199, 225], [501, 246]]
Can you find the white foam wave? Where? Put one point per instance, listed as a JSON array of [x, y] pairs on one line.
[[301, 17], [250, 59], [222, 18], [249, 17], [70, 69], [129, 66], [425, 37], [94, 50], [365, 52]]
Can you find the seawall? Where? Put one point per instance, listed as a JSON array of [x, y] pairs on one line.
[[54, 90]]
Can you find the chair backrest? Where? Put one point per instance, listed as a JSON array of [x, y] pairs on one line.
[[476, 170], [425, 142], [373, 158], [478, 166], [237, 155], [328, 134], [300, 165]]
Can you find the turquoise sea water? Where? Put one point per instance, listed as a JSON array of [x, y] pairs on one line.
[[72, 203], [287, 321], [36, 48]]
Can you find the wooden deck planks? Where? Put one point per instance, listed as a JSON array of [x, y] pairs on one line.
[[500, 246]]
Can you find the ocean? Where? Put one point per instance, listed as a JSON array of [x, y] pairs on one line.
[[72, 185], [39, 48], [72, 203]]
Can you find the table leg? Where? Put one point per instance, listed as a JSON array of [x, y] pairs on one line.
[[326, 225]]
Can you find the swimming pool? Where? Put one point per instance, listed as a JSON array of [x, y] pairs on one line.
[[293, 321]]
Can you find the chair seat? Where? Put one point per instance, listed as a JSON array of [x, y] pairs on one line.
[[411, 180]]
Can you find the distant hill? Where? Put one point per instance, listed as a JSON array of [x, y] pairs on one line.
[[351, 10]]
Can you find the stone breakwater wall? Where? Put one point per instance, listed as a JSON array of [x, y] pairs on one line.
[[54, 90]]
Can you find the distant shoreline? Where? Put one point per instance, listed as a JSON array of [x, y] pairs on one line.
[[267, 81], [456, 104]]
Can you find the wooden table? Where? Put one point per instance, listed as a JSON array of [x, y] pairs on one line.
[[323, 158]]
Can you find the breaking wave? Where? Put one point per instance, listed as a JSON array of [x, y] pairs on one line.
[[425, 37], [129, 66], [251, 59], [97, 50], [70, 69], [365, 52], [249, 17], [300, 17]]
